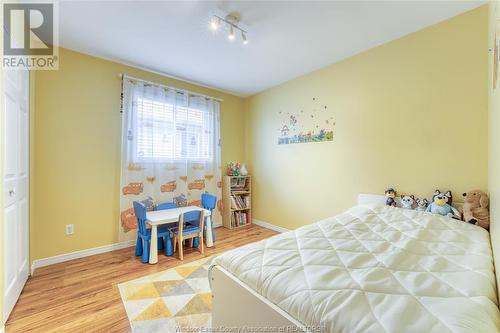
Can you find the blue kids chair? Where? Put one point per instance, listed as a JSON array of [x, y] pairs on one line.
[[190, 227], [144, 234], [208, 201], [166, 205]]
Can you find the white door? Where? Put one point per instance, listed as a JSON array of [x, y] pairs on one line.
[[16, 185]]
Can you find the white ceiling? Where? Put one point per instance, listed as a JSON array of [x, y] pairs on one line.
[[287, 38]]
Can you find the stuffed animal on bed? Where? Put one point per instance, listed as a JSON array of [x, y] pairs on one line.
[[407, 201], [475, 208], [390, 194], [441, 204], [422, 204]]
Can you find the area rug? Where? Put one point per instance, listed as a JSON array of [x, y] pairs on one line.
[[175, 300]]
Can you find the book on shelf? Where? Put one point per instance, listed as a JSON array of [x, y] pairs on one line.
[[240, 202], [238, 218], [238, 183]]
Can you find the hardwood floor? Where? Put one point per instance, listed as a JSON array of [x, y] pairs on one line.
[[82, 295]]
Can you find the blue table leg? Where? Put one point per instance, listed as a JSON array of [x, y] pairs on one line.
[[213, 233], [145, 251], [168, 246]]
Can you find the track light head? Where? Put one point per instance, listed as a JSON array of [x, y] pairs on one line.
[[231, 32], [244, 38], [215, 23]]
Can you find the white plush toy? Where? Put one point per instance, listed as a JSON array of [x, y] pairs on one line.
[[407, 201]]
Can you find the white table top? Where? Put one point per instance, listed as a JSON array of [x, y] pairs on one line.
[[163, 216]]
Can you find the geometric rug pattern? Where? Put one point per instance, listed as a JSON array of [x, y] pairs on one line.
[[176, 300]]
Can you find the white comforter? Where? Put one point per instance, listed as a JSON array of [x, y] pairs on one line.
[[376, 269]]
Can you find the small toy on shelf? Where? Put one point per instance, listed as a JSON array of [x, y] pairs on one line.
[[233, 169], [422, 204], [475, 208], [407, 201], [441, 204], [243, 170], [390, 194]]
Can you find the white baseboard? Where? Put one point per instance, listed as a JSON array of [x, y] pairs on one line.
[[79, 254], [84, 253], [269, 226]]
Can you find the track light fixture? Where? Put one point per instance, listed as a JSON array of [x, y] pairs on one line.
[[231, 21]]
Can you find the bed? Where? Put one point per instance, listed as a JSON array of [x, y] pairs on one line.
[[370, 269]]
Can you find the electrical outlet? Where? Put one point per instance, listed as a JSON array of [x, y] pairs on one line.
[[70, 229]]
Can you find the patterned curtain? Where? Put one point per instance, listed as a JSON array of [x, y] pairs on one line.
[[170, 150]]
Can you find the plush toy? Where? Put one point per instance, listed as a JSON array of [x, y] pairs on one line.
[[407, 201], [233, 169], [422, 204], [441, 204], [390, 194], [475, 208]]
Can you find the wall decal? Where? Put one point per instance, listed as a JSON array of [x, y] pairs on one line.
[[315, 125]]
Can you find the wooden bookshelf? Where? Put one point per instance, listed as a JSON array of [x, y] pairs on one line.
[[237, 201]]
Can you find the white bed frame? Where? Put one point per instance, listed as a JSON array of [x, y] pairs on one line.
[[235, 305]]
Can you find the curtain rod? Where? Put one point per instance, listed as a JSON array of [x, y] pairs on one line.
[[123, 75]]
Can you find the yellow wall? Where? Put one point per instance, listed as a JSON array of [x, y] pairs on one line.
[[494, 139], [77, 150], [411, 114]]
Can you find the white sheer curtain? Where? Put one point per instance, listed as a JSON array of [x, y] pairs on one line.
[[170, 148]]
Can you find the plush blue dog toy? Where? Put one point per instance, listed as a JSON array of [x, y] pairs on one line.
[[441, 204]]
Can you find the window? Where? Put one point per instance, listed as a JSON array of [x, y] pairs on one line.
[[168, 132]]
